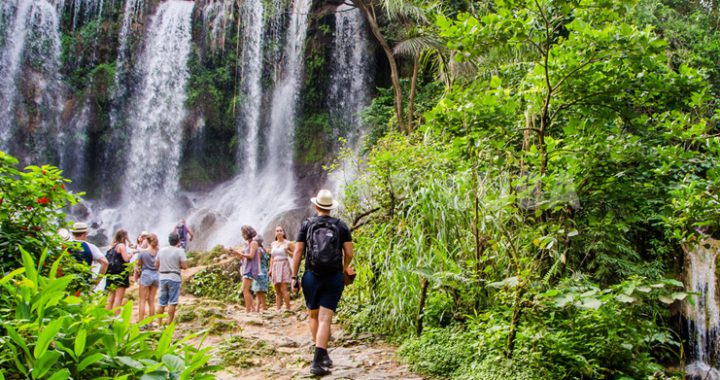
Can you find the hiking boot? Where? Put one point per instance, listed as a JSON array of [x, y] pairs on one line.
[[318, 370], [325, 361]]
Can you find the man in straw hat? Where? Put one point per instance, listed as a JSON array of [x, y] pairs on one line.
[[87, 252], [327, 245]]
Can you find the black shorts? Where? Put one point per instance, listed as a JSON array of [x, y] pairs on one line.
[[322, 291], [118, 281]]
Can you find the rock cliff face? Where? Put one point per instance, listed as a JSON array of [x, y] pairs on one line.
[[254, 93]]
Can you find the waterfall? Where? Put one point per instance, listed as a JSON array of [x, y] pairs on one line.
[[351, 77], [349, 93], [704, 316], [262, 198], [216, 19], [251, 92], [31, 47], [156, 119], [84, 10]]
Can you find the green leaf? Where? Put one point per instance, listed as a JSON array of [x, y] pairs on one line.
[[591, 303], [173, 363], [155, 375], [17, 339], [47, 335], [45, 363], [10, 275], [625, 298], [80, 341], [63, 374], [29, 264], [165, 339], [130, 362], [90, 360]]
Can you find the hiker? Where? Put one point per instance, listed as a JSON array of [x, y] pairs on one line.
[[262, 282], [184, 232], [327, 244], [250, 264], [149, 279], [89, 254], [169, 262], [280, 272], [118, 276]]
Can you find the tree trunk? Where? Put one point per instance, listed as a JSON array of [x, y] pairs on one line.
[[411, 97], [369, 12]]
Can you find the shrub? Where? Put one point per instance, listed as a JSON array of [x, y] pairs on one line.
[[48, 333], [31, 204]]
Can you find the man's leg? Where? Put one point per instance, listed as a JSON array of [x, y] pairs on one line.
[[171, 313], [162, 311], [322, 332], [313, 320]]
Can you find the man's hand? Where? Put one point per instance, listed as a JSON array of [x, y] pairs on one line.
[[295, 286]]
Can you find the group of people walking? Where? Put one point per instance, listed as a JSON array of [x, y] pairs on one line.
[[323, 241]]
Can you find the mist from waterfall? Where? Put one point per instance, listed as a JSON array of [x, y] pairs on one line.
[[704, 315], [261, 198], [152, 176]]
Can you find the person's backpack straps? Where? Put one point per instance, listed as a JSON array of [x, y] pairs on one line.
[[324, 250]]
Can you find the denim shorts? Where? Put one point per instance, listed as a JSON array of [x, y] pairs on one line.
[[322, 291], [149, 278], [169, 292]]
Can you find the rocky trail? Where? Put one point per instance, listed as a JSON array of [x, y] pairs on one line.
[[277, 344]]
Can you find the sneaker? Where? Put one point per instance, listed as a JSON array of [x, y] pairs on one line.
[[318, 370]]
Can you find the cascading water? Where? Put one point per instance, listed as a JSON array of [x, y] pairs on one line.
[[351, 81], [216, 19], [261, 198], [704, 316], [31, 47], [351, 76], [251, 93], [84, 10], [156, 123]]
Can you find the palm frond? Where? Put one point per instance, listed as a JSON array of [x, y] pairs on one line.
[[397, 9], [414, 46]]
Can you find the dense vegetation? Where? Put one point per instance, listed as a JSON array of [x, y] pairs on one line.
[[530, 223], [47, 331]]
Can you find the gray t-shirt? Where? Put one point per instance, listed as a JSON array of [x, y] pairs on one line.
[[148, 261], [170, 258]]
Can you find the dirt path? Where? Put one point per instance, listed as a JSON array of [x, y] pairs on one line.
[[277, 345]]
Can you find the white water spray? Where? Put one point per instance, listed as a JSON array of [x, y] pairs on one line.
[[251, 93], [152, 177]]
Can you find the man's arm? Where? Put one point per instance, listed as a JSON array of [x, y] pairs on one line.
[[183, 264], [157, 262], [347, 254], [103, 265], [297, 257]]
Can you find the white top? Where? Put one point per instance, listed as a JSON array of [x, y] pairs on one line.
[[170, 259], [279, 250]]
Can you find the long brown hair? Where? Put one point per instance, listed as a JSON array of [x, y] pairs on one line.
[[153, 241], [121, 236], [248, 232]]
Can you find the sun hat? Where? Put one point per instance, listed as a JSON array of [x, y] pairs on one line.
[[324, 200], [79, 227], [144, 233]]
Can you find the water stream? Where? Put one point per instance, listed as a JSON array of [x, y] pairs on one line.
[[704, 316]]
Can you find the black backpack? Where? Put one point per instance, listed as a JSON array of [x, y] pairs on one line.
[[81, 252], [324, 249], [116, 264]]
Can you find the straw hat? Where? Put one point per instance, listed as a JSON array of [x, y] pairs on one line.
[[325, 200], [145, 234], [79, 228]]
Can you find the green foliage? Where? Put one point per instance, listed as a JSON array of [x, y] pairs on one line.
[[220, 283], [580, 162], [31, 204], [48, 333]]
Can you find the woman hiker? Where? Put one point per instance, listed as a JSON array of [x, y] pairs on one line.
[[119, 278], [149, 279], [280, 272]]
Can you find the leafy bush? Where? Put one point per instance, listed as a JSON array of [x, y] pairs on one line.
[[48, 333], [218, 282], [439, 351], [31, 204]]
